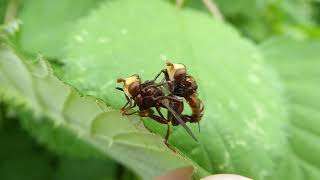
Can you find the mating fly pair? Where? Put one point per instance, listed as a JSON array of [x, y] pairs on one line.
[[150, 95]]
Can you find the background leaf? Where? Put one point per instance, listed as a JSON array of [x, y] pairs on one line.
[[262, 19], [20, 157], [244, 111], [3, 6], [47, 31], [86, 169], [298, 63]]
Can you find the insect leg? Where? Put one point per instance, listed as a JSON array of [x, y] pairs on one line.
[[168, 97], [131, 113], [168, 128], [124, 111], [128, 102], [163, 121], [166, 139], [159, 112], [156, 77]]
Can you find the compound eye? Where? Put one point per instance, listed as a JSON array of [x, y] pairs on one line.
[[180, 75], [134, 89]]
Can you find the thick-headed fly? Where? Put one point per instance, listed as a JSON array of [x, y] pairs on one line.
[[183, 85], [150, 95]]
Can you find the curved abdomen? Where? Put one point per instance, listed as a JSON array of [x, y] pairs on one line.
[[196, 106]]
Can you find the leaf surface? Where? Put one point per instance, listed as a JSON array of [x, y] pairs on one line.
[[46, 24], [298, 63], [243, 127], [78, 125]]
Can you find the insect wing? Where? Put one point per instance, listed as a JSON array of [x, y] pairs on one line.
[[178, 118]]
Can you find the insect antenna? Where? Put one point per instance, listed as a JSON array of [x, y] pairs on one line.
[[178, 118], [119, 80], [169, 63]]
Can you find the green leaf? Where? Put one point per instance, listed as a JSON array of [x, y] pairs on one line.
[[3, 7], [66, 121], [298, 63], [22, 158], [243, 127], [84, 169], [46, 24]]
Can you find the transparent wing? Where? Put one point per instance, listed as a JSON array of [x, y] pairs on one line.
[[178, 118]]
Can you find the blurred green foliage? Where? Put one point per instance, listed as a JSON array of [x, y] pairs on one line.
[[20, 157], [258, 73], [23, 158], [262, 19], [3, 5]]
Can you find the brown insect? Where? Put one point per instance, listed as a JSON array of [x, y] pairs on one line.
[[183, 85], [149, 95]]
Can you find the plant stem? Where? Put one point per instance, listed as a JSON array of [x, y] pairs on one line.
[[11, 11], [213, 8], [179, 3]]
